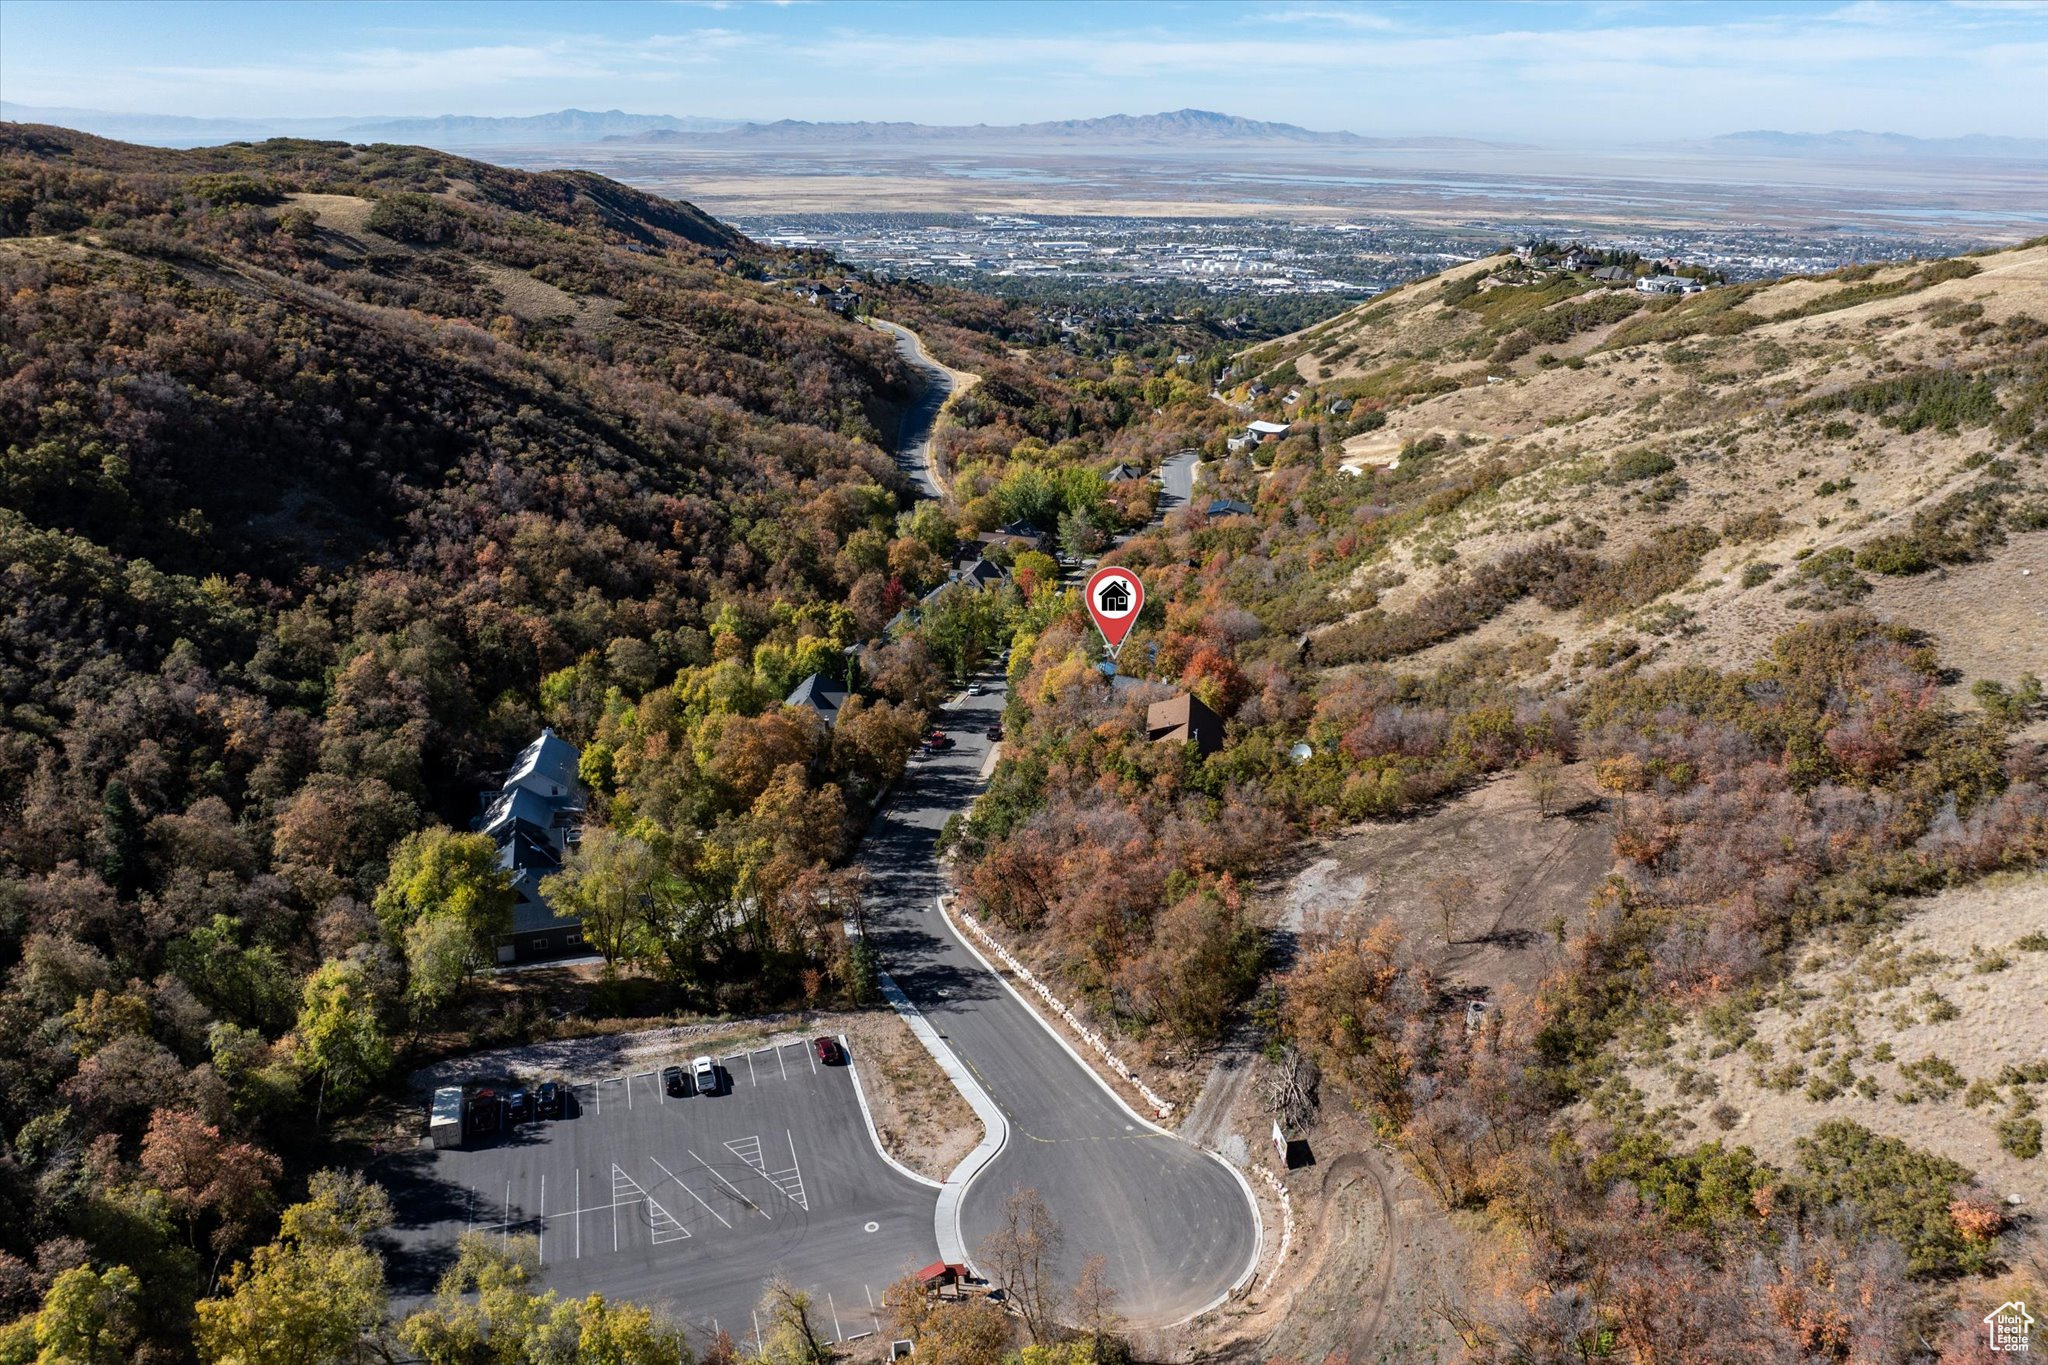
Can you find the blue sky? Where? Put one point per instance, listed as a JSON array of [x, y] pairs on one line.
[[1583, 73]]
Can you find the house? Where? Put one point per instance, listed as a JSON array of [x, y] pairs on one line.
[[1576, 259], [844, 301], [1018, 535], [1262, 432], [1229, 507], [1183, 719], [980, 574], [1340, 407], [1613, 274], [1668, 284], [534, 817], [820, 696], [1125, 473]]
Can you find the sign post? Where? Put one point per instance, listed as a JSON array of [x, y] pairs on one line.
[[1115, 597]]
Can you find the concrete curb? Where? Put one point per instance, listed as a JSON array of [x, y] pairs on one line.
[[995, 1124], [874, 1134], [1244, 1186]]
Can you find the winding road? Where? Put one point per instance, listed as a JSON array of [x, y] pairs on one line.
[[1177, 1225], [937, 385]]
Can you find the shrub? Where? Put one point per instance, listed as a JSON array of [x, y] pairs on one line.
[[1903, 1192], [1757, 574], [1631, 465], [2021, 1137]]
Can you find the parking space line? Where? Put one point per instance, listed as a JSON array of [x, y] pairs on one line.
[[730, 1186], [750, 1070], [838, 1333], [505, 1235], [543, 1217], [579, 1213], [692, 1193], [757, 1332], [784, 1065], [812, 1053]]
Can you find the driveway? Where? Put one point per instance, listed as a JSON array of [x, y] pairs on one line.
[[1177, 480], [1176, 1225]]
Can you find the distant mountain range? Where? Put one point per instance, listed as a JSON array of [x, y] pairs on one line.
[[447, 130], [1855, 142], [1182, 126]]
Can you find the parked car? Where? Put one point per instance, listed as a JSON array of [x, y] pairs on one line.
[[828, 1049], [675, 1082], [704, 1072], [995, 732], [518, 1108], [553, 1100], [974, 689], [484, 1111]]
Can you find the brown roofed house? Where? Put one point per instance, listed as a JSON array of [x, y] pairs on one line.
[[1182, 718]]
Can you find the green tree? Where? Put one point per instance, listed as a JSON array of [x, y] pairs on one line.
[[437, 953], [121, 839], [607, 882], [314, 1296], [439, 872], [88, 1317], [338, 1034]]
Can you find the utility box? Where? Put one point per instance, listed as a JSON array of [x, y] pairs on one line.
[[444, 1127]]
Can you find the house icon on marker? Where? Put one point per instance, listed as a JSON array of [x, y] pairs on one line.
[[1114, 596], [2006, 1326]]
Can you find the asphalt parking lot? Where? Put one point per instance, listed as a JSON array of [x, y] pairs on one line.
[[692, 1204]]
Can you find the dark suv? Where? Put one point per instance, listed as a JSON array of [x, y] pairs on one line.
[[553, 1100], [675, 1082]]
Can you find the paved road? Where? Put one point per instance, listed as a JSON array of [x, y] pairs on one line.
[[688, 1203], [1176, 1225], [1177, 480], [914, 436]]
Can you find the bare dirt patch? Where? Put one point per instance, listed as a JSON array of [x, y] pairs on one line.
[[924, 1122], [1990, 620], [1525, 870]]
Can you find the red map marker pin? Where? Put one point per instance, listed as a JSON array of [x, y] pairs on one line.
[[1115, 597]]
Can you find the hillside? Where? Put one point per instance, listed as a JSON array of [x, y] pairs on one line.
[[1753, 452], [1604, 679]]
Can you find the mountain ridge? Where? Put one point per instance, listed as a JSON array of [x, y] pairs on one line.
[[1178, 125]]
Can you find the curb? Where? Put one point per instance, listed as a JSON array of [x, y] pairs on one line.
[[995, 1124], [874, 1135], [1244, 1185]]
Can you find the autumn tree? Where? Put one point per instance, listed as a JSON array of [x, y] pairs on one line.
[[791, 1337], [313, 1296], [204, 1174], [1019, 1255], [88, 1317], [1095, 1300], [1452, 896]]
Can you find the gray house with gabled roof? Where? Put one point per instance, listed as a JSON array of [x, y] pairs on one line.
[[820, 696], [535, 817]]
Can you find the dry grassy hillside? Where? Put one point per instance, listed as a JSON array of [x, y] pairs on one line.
[[1749, 455]]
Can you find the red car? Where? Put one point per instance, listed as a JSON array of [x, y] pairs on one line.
[[828, 1049], [939, 741]]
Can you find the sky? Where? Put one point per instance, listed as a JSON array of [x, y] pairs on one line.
[[1578, 73]]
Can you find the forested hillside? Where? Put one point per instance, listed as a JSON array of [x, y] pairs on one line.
[[330, 475]]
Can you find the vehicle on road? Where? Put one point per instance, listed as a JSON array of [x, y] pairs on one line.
[[995, 732], [938, 741], [518, 1108], [704, 1072], [828, 1050], [553, 1102], [675, 1082], [974, 689]]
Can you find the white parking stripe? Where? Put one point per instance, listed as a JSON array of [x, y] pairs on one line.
[[784, 1065], [692, 1193], [730, 1186], [750, 1070], [543, 1217]]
